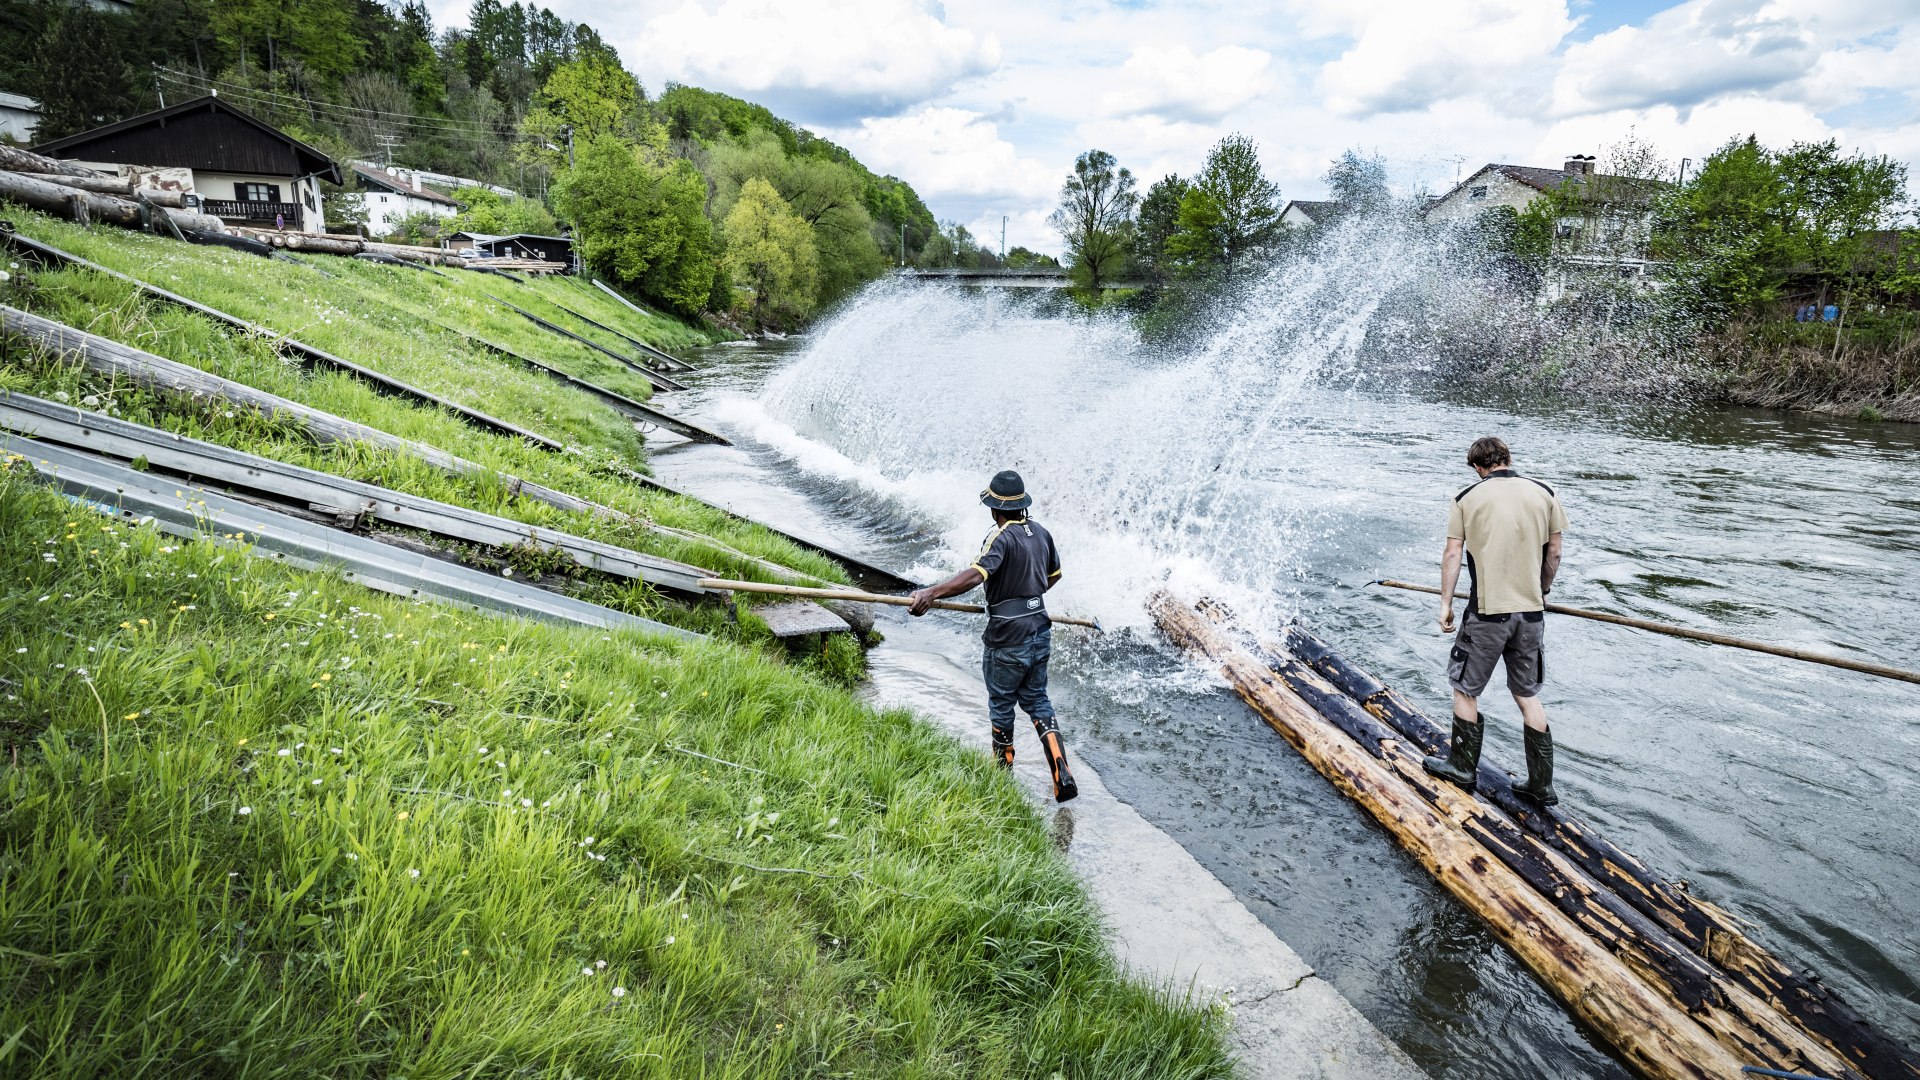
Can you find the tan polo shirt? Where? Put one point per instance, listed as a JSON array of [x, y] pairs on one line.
[[1505, 521]]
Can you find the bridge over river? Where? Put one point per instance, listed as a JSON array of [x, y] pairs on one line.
[[1035, 278]]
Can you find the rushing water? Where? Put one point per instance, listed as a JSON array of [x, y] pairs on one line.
[[1786, 792]]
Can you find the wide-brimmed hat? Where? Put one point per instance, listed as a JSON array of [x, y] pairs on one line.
[[1006, 492]]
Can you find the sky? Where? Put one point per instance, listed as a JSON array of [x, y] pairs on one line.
[[982, 105]]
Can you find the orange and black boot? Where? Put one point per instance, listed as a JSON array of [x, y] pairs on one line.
[[1003, 747], [1050, 744]]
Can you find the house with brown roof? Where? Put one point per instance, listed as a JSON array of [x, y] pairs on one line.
[[1516, 186], [245, 170], [390, 194]]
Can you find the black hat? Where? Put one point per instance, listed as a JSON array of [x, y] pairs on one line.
[[1006, 492]]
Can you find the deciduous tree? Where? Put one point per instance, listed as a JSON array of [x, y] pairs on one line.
[[1095, 217], [1231, 214], [770, 249]]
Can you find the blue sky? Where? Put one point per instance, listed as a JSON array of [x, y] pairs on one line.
[[983, 105]]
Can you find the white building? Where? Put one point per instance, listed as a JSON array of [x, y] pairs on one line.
[[1301, 214], [19, 115], [1505, 185], [390, 194]]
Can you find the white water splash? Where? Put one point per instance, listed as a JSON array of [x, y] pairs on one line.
[[1151, 469]]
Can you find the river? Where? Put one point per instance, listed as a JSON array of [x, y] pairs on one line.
[[1266, 469]]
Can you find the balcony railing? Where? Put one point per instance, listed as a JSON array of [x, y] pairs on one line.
[[241, 210]]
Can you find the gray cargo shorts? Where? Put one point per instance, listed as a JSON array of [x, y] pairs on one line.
[[1519, 638]]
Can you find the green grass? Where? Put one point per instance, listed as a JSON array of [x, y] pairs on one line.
[[256, 822]]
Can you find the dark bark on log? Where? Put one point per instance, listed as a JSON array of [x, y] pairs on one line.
[[382, 383], [1655, 1038], [1700, 927], [14, 159]]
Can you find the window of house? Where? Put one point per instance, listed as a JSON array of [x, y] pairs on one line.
[[383, 198], [1477, 192], [257, 192]]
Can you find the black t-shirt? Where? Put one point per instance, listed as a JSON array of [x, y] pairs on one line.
[[1020, 563]]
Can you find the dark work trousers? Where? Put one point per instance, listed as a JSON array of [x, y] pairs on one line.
[[1017, 674]]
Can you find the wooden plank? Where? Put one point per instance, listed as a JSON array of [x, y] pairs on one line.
[[799, 618], [659, 381], [47, 253], [196, 460], [1655, 1037], [1700, 927]]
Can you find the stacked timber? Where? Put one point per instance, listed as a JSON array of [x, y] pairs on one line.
[[83, 196], [347, 244], [1672, 982]]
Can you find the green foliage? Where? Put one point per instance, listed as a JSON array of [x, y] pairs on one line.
[[1752, 216], [770, 249], [1095, 218], [1159, 219], [75, 72], [1229, 216], [419, 227], [640, 222], [484, 210], [588, 99]]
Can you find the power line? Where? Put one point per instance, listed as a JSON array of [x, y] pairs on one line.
[[413, 123]]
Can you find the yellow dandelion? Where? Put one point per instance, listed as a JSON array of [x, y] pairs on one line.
[[403, 815], [126, 626], [131, 716], [143, 622], [313, 686], [242, 742], [326, 676], [269, 614]]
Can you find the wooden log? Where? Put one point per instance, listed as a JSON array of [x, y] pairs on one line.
[[85, 207], [409, 252], [1655, 1038], [319, 245], [382, 383], [125, 187], [1700, 927], [15, 159], [1735, 1017]]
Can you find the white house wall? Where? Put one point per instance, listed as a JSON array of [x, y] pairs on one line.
[[386, 209], [1501, 190]]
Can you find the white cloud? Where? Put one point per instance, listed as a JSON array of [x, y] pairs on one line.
[[945, 151], [826, 61], [1684, 56], [1173, 81], [1409, 56], [1152, 147], [1693, 131]]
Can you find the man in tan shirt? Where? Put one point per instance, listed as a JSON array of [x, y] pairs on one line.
[[1509, 528]]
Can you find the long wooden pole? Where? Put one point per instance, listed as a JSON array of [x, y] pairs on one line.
[[1670, 630], [864, 598]]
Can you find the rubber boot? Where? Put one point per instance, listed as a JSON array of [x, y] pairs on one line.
[[1539, 786], [1064, 789], [1003, 747], [1462, 763]]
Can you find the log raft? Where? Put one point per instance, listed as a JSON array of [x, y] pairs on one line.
[[1619, 969]]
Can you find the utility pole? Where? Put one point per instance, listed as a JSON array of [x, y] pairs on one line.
[[157, 91], [1003, 239], [386, 143], [903, 243], [1684, 162], [569, 133]]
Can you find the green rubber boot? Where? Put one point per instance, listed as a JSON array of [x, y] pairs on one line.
[[1462, 763], [1539, 786]]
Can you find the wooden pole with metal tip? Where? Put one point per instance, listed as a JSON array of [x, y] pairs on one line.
[[866, 598]]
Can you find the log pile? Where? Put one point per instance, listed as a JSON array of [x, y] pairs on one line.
[[1673, 983], [80, 195]]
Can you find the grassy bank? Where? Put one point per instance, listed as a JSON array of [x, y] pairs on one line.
[[1873, 373], [265, 822]]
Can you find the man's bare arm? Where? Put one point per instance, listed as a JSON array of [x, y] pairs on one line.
[[964, 581], [1550, 566], [1449, 579]]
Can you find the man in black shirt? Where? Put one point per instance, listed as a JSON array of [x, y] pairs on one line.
[[1018, 564]]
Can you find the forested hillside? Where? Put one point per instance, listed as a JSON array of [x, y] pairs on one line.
[[659, 188]]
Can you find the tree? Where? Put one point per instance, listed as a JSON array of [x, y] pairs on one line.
[[640, 222], [484, 210], [583, 100], [76, 72], [770, 249], [1358, 184], [1095, 218], [1231, 214], [1159, 218]]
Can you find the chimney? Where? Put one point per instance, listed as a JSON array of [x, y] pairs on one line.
[[416, 181], [1579, 165]]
